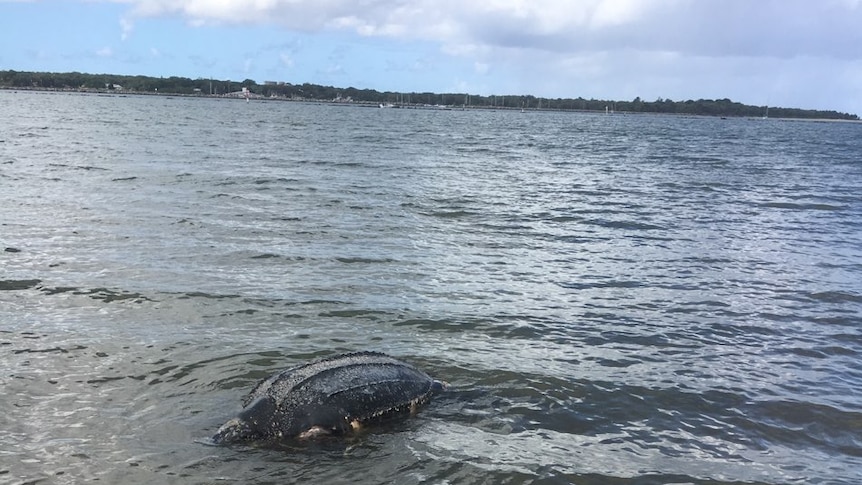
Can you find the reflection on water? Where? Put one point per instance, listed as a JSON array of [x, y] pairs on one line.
[[614, 299]]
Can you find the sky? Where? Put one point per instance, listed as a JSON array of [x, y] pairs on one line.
[[789, 53]]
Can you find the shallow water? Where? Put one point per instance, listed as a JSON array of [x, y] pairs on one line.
[[614, 299]]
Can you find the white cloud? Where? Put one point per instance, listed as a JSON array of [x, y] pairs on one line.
[[333, 70], [105, 52], [778, 28], [127, 26]]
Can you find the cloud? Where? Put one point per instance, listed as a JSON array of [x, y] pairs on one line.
[[779, 28], [105, 52], [333, 70], [127, 26]]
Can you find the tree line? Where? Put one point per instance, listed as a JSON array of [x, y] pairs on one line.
[[307, 91]]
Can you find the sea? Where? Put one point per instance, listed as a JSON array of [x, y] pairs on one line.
[[613, 298]]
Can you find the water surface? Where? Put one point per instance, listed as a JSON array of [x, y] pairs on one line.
[[614, 299]]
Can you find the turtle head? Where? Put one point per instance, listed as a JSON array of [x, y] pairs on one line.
[[249, 425], [439, 386], [234, 431]]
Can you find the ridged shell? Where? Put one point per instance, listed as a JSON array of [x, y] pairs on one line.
[[328, 394]]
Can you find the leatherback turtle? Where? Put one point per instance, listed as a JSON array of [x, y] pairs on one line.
[[334, 395]]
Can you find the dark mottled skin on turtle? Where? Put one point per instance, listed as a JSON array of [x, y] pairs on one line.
[[328, 396]]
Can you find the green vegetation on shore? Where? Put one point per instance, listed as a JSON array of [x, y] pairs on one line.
[[76, 81]]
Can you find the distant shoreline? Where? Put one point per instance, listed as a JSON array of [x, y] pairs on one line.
[[208, 87], [413, 106]]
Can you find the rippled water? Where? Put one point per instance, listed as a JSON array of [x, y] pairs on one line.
[[614, 299]]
